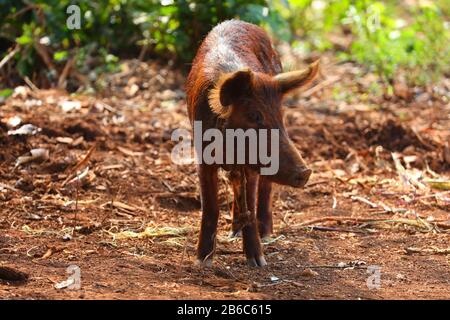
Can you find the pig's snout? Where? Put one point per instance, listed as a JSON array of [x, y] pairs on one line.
[[300, 177], [296, 178], [293, 170]]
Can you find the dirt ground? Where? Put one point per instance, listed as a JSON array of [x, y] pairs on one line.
[[130, 222]]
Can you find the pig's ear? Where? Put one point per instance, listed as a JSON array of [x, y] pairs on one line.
[[288, 81], [230, 88]]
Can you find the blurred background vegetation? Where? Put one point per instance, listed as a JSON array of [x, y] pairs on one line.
[[407, 39]]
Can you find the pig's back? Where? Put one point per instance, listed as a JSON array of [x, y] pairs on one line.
[[230, 46], [234, 44]]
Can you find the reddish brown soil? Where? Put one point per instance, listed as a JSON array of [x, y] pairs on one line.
[[131, 165]]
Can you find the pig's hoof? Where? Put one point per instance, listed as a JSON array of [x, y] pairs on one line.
[[235, 234], [204, 263], [257, 261]]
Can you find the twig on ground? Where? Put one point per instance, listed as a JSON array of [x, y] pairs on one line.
[[130, 209], [30, 84], [65, 73], [76, 198], [335, 267], [431, 250], [418, 223], [385, 207], [45, 56], [312, 184], [320, 86], [168, 186], [432, 195], [9, 56], [334, 205], [335, 219], [322, 228], [5, 186], [79, 164], [361, 199], [162, 194]]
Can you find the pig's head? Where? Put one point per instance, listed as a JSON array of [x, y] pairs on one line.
[[247, 99]]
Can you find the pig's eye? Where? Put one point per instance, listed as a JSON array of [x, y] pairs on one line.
[[255, 117]]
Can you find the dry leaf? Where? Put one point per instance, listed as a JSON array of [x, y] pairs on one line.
[[68, 105], [39, 154], [26, 129]]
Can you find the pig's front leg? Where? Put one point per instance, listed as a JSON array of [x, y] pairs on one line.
[[210, 214], [264, 210], [246, 184], [237, 223]]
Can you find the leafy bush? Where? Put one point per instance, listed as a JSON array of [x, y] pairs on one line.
[[39, 28], [418, 50], [165, 28], [179, 26], [394, 40], [410, 42]]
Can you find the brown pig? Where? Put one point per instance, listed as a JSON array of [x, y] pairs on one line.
[[236, 82]]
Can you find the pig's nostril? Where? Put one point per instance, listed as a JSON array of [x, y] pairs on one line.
[[303, 176], [306, 173]]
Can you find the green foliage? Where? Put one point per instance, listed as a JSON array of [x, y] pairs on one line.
[[43, 22], [178, 26], [5, 93], [167, 28], [419, 49], [393, 39]]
